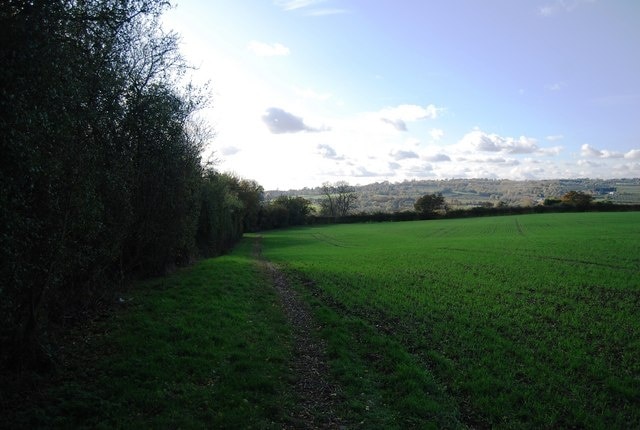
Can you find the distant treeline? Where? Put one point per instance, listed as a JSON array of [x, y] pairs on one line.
[[468, 213], [101, 177], [466, 193], [427, 206]]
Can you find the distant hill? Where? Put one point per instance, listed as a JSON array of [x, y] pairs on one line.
[[465, 193]]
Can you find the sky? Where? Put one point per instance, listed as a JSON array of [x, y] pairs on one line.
[[311, 91]]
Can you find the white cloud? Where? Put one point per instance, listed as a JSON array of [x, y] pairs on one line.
[[587, 150], [554, 137], [491, 160], [481, 141], [421, 171], [262, 49], [311, 94], [523, 172], [436, 133], [280, 121], [403, 155], [410, 113], [502, 161], [380, 130], [437, 157], [363, 172], [361, 149], [634, 154], [398, 124], [398, 116], [523, 145], [327, 151], [554, 150], [588, 163]]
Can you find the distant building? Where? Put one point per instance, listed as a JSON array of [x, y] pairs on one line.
[[605, 190]]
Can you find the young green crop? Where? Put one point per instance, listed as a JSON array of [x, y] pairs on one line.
[[524, 321]]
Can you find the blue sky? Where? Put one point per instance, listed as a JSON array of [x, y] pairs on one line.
[[308, 91]]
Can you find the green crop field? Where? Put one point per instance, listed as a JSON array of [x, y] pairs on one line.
[[516, 321]]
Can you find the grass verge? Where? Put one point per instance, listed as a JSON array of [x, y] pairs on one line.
[[205, 347]]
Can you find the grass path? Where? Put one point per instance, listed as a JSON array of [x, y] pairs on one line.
[[317, 395], [381, 383], [207, 347]]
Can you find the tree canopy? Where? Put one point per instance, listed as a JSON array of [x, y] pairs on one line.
[[577, 198], [338, 199], [285, 211], [429, 204]]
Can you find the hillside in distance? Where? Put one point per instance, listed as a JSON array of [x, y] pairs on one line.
[[467, 193]]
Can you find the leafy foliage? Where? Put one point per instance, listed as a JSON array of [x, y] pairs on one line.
[[577, 198], [221, 214], [101, 177], [285, 211], [429, 204]]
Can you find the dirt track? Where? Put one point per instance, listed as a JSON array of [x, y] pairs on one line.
[[317, 396]]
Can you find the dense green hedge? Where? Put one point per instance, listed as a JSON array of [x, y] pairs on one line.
[[100, 176], [466, 213]]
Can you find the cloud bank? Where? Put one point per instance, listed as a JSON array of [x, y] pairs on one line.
[[587, 150], [404, 155], [485, 142]]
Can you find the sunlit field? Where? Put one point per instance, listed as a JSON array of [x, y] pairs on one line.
[[504, 321]]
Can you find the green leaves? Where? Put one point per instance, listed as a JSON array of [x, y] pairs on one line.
[[100, 176], [429, 204]]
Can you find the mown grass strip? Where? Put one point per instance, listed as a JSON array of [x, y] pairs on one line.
[[207, 347]]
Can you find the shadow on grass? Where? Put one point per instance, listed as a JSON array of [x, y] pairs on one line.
[[205, 347]]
